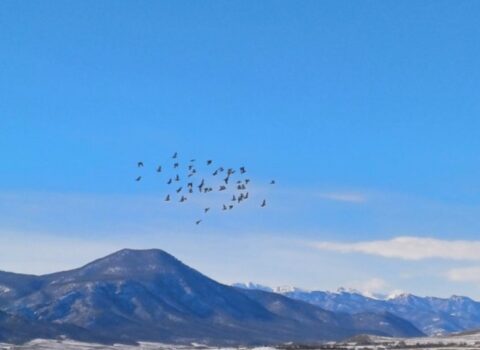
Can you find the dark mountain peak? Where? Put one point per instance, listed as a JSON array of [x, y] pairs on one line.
[[125, 264], [128, 257]]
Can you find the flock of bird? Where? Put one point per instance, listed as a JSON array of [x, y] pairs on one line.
[[184, 184]]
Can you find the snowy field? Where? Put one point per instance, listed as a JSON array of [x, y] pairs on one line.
[[41, 344], [453, 342]]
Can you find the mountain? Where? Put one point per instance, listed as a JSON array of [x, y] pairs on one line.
[[149, 295], [431, 315]]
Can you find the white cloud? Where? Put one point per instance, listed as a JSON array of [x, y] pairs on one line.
[[371, 287], [464, 274], [344, 197], [409, 248]]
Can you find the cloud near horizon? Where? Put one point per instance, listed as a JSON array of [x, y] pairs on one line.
[[464, 274], [409, 248]]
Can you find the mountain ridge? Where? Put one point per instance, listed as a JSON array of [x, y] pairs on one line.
[[149, 295], [432, 315]]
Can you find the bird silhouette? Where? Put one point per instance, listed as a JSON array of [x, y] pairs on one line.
[[238, 184]]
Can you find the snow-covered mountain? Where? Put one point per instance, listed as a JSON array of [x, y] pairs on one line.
[[430, 314], [149, 295]]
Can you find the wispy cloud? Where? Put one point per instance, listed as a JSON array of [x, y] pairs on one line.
[[371, 287], [464, 274], [409, 248], [344, 197]]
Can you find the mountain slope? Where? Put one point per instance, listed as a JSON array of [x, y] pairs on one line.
[[429, 314], [150, 295]]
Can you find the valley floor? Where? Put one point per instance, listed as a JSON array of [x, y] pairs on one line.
[[452, 342]]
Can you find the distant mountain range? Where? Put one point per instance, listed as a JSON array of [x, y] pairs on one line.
[[149, 295], [433, 316]]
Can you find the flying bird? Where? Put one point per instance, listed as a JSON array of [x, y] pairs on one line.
[[169, 181], [138, 178], [159, 169], [175, 155], [177, 178], [183, 199], [198, 222], [206, 210], [179, 189], [247, 181], [140, 164], [264, 203], [226, 180], [209, 162], [167, 198], [224, 207], [175, 165], [242, 170], [222, 188], [272, 182]]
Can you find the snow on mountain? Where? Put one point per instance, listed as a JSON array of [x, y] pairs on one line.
[[430, 314], [251, 285], [149, 295]]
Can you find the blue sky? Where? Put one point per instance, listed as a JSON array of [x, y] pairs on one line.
[[365, 112]]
